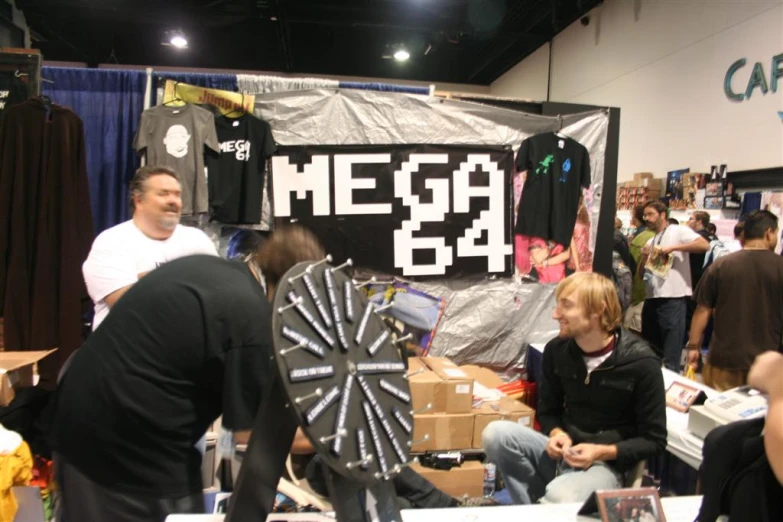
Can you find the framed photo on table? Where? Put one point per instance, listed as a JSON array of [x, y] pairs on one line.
[[681, 396], [634, 505]]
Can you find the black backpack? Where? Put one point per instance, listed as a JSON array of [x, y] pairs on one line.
[[736, 477]]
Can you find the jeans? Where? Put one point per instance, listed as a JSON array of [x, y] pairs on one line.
[[531, 476], [663, 326]]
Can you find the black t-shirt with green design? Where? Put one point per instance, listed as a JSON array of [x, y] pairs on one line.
[[557, 169]]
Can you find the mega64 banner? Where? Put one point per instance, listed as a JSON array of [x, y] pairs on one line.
[[409, 210]]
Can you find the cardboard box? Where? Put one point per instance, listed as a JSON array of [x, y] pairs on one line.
[[504, 409], [446, 432], [18, 372], [422, 383], [483, 376], [485, 383], [639, 176], [467, 479], [454, 392]]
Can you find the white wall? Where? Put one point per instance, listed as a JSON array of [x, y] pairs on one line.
[[663, 62], [527, 80]]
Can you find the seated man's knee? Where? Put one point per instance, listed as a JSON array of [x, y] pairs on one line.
[[564, 493], [501, 436]]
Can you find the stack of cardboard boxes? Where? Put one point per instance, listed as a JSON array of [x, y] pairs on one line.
[[455, 420], [642, 189], [463, 401]]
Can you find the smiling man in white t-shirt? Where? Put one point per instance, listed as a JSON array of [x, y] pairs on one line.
[[123, 254], [665, 305]]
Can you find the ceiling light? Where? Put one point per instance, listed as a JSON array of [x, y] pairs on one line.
[[179, 41], [401, 55]]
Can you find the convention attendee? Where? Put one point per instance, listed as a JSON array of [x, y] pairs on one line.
[[742, 466], [712, 230], [123, 254], [766, 375], [185, 344], [601, 404], [743, 291], [622, 247], [739, 236], [673, 221], [668, 283], [641, 234], [698, 222]]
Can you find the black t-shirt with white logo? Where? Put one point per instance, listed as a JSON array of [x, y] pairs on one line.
[[557, 169], [190, 341], [236, 175], [12, 90]]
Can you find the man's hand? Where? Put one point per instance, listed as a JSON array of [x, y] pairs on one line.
[[646, 250], [558, 444], [693, 359], [766, 374], [582, 456]]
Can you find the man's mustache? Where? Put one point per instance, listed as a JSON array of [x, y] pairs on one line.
[[171, 208]]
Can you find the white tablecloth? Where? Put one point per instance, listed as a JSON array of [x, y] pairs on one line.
[[677, 509]]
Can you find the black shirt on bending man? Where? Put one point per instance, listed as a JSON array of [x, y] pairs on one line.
[[187, 343]]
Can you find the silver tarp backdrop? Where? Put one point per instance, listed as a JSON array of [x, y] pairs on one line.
[[486, 321]]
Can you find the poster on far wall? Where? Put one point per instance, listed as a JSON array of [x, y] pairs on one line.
[[674, 185], [407, 210]]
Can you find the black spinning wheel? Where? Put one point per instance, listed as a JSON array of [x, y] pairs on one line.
[[342, 373]]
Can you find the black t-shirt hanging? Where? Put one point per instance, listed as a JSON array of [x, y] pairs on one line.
[[557, 169], [236, 175], [188, 342], [12, 90]]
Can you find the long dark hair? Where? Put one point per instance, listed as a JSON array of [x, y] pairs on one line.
[[287, 246]]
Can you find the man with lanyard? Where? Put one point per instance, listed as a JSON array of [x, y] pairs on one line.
[[601, 404], [186, 343], [665, 308]]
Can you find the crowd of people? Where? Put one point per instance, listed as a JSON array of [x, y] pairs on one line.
[[183, 336], [692, 290]]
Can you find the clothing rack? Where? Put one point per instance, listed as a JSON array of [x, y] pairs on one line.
[[26, 64]]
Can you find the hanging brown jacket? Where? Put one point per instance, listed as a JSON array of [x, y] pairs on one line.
[[45, 230]]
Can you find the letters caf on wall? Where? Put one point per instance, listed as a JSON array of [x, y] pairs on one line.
[[408, 210]]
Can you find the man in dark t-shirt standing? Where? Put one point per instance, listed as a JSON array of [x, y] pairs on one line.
[[698, 222], [744, 293], [187, 343]]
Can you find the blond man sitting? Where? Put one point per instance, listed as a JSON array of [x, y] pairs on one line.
[[601, 404]]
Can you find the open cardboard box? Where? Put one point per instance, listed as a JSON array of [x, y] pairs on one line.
[[454, 392], [505, 409], [17, 370], [467, 479]]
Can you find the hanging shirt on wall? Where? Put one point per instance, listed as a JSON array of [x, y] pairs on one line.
[[177, 137], [12, 90], [236, 176], [46, 230], [557, 169]]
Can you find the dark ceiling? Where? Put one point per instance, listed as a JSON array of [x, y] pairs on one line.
[[462, 41]]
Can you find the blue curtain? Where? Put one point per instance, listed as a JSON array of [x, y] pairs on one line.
[[109, 102], [750, 201], [224, 82], [384, 87]]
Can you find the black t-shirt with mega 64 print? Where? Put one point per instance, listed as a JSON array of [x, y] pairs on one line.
[[236, 175], [557, 169]]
